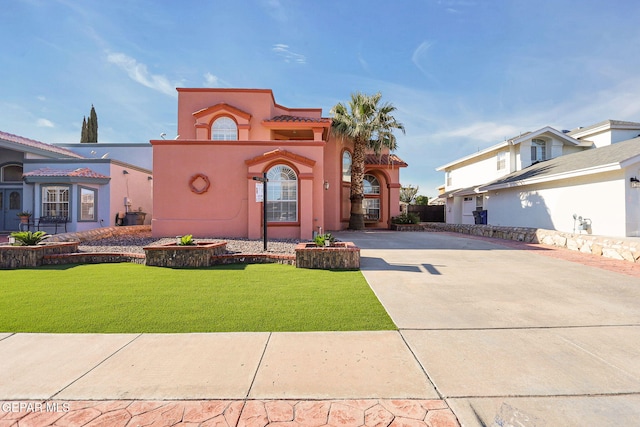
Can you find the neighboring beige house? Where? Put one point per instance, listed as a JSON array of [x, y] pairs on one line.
[[545, 178]]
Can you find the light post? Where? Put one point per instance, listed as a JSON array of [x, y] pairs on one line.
[[264, 181]]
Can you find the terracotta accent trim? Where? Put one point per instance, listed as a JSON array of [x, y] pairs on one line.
[[280, 154], [223, 106], [202, 190], [294, 125]]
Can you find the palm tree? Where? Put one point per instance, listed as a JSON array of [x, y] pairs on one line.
[[370, 125]]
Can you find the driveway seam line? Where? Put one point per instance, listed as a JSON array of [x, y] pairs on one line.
[[526, 396], [255, 375], [53, 396], [440, 395]]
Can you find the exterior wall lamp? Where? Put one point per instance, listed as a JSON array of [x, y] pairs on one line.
[[125, 172], [326, 185], [635, 182]]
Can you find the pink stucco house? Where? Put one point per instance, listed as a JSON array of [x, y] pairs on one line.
[[203, 179]]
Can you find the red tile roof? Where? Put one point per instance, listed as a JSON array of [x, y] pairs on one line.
[[80, 172], [384, 160], [288, 119], [37, 144]]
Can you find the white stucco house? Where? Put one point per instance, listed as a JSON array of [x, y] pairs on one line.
[[584, 180], [88, 184]]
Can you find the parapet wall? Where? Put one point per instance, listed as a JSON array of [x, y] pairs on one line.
[[609, 247]]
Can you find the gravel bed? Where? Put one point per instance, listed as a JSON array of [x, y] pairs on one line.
[[135, 243]]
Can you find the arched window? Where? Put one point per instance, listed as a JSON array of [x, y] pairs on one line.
[[11, 173], [282, 194], [224, 129], [538, 150], [371, 185], [371, 201], [346, 166]]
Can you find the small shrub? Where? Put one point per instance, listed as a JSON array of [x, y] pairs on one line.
[[187, 240], [28, 238], [410, 218], [322, 239]]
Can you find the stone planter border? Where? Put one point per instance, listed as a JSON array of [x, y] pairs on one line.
[[32, 256], [174, 255], [407, 227], [341, 256]]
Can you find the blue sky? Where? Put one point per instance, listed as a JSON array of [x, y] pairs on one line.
[[463, 74]]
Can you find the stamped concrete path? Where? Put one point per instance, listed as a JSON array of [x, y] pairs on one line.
[[489, 335]]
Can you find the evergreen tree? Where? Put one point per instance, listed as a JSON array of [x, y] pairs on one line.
[[92, 125], [89, 131], [83, 134]]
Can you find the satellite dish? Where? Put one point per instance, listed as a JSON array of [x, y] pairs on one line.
[[105, 156], [177, 136], [162, 135]]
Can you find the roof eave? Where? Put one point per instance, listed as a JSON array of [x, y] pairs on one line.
[[555, 177]]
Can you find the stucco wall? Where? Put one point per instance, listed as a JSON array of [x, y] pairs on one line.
[[228, 208], [134, 185], [474, 173], [601, 198]]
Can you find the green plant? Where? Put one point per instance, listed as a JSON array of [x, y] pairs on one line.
[[322, 239], [406, 218], [28, 238], [24, 213], [187, 240]]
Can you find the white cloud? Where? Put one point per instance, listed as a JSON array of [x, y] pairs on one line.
[[276, 10], [138, 72], [482, 131], [288, 55], [419, 56], [210, 80], [44, 123], [213, 81]]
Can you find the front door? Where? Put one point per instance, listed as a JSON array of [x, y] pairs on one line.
[[10, 205]]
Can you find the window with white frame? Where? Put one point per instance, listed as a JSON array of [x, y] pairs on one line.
[[346, 166], [448, 178], [538, 150], [371, 201], [55, 201], [87, 204], [370, 185], [282, 194], [371, 208], [501, 159], [224, 129]]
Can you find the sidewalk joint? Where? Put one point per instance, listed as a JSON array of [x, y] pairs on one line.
[[95, 367]]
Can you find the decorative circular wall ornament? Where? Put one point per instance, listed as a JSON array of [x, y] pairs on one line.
[[199, 183]]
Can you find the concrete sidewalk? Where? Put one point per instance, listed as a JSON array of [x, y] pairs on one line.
[[510, 336], [347, 378]]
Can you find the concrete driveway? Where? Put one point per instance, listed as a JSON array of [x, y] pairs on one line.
[[508, 336]]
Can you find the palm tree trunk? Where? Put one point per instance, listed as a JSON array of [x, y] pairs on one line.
[[356, 219]]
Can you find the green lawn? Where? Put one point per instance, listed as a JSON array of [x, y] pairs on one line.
[[122, 298]]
